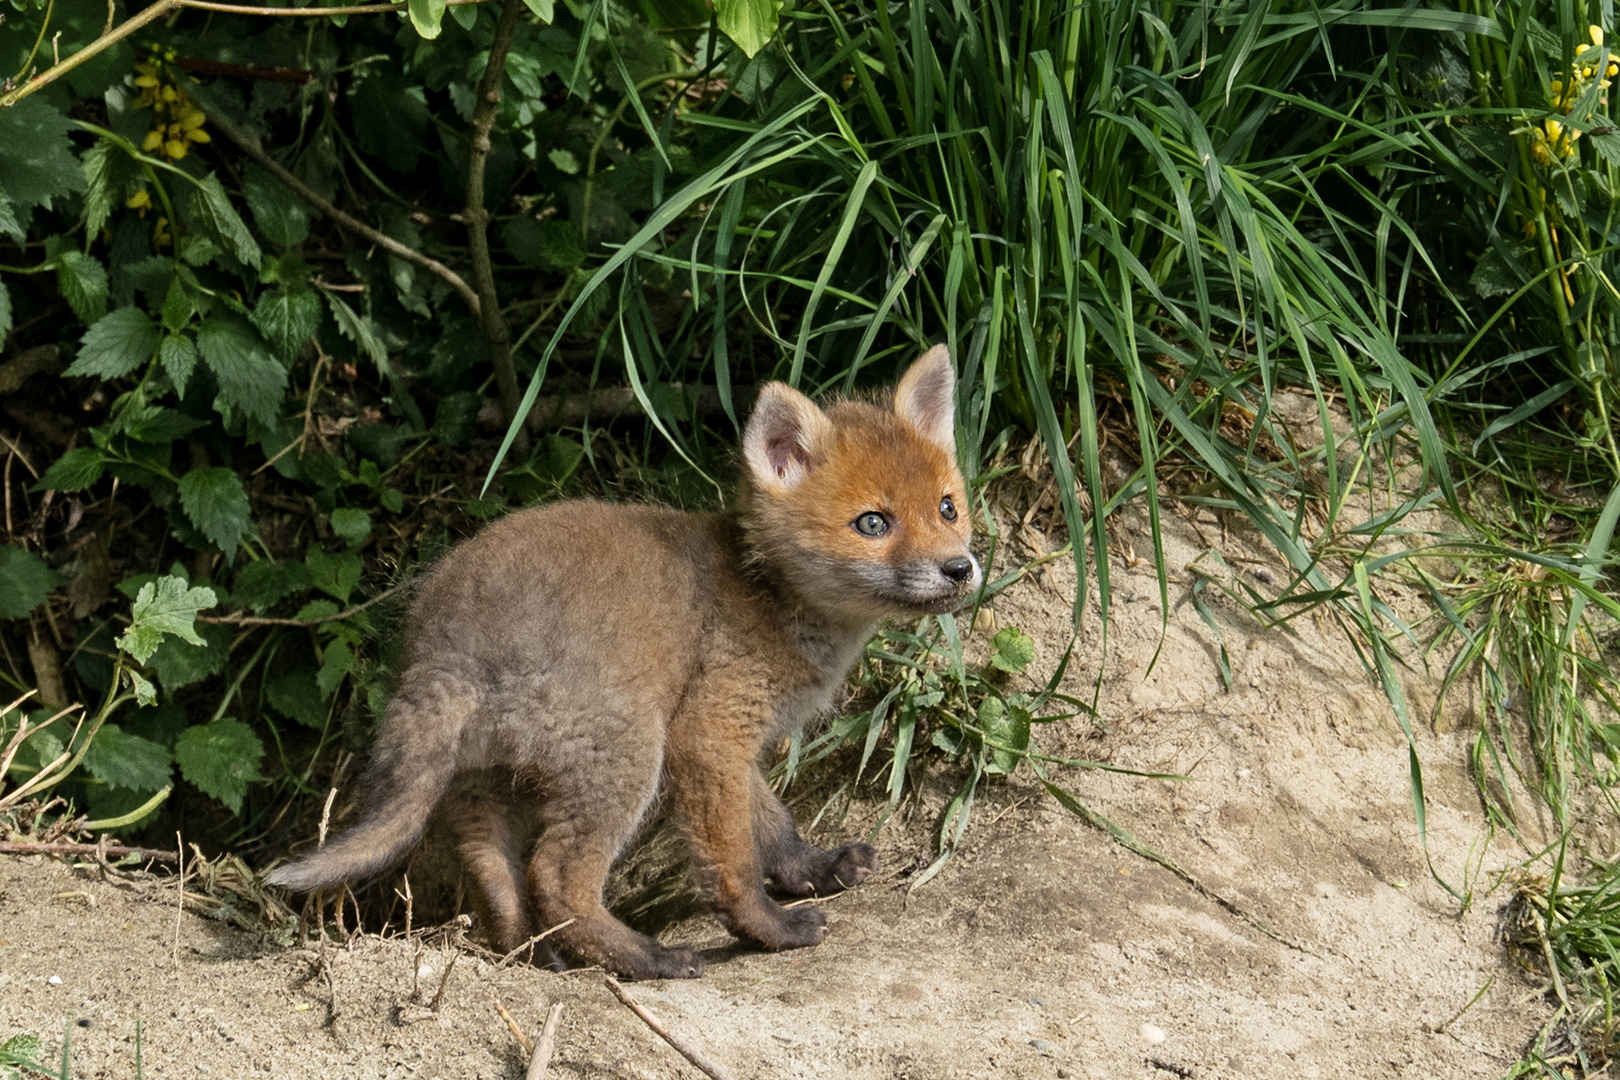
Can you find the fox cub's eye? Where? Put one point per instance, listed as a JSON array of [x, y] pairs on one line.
[[871, 523], [947, 509]]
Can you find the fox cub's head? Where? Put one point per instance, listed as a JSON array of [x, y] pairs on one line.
[[861, 507]]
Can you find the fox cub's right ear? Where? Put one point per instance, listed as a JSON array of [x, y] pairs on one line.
[[786, 437]]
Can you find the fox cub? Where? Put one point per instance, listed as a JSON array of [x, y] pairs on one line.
[[572, 657]]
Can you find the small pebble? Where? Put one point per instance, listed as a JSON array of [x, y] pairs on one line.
[[84, 1023], [55, 980], [1040, 1044], [1037, 1001], [1151, 1033]]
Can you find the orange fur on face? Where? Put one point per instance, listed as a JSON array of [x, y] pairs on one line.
[[571, 655]]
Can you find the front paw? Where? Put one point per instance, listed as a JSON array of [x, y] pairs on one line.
[[847, 867], [775, 928], [658, 962]]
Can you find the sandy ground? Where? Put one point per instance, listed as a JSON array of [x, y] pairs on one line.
[[1044, 949]]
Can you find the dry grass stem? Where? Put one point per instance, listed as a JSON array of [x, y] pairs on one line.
[[685, 1049]]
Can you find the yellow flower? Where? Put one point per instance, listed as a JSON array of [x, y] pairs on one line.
[[153, 140], [194, 119], [1596, 34], [169, 93], [160, 234], [146, 81], [199, 135], [1554, 129], [176, 148], [140, 201]]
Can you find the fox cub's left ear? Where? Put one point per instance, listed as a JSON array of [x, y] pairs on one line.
[[926, 398]]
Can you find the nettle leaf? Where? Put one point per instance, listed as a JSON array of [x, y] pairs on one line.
[[221, 759], [116, 345], [25, 581], [5, 309], [165, 606], [179, 663], [298, 696], [39, 164], [335, 575], [145, 692], [288, 317], [121, 760], [9, 222], [83, 281], [351, 525], [337, 662], [280, 215], [74, 470], [261, 585], [109, 173], [249, 377], [178, 355], [749, 23], [358, 329], [211, 211], [217, 504], [1011, 649], [178, 306], [427, 16], [163, 426]]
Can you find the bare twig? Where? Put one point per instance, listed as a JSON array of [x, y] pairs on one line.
[[180, 901], [254, 620], [517, 1032], [496, 332], [117, 851], [544, 1048], [444, 981], [294, 76], [686, 1051], [541, 936], [252, 149], [164, 7]]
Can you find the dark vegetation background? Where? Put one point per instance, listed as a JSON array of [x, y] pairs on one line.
[[272, 290]]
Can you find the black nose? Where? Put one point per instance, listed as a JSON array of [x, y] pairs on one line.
[[957, 569]]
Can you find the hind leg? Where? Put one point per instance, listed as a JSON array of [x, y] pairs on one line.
[[794, 866], [489, 847], [585, 821]]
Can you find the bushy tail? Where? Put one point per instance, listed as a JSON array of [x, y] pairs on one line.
[[412, 764]]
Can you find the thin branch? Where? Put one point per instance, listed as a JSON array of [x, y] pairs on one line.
[[541, 1060], [360, 9], [56, 71], [252, 620], [162, 8], [686, 1051], [477, 214], [304, 191], [20, 847]]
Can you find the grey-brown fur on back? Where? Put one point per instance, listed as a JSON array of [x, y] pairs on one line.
[[525, 653]]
